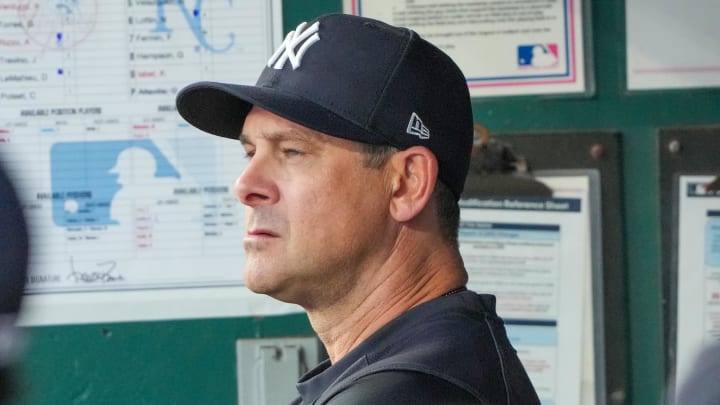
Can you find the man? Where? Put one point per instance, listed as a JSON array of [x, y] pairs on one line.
[[700, 386], [359, 137], [14, 251]]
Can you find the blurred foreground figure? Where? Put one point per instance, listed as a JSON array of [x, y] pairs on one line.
[[13, 268], [701, 386]]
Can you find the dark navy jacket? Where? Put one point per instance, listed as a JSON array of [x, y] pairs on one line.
[[451, 350]]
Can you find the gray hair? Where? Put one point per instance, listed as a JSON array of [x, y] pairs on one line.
[[448, 210]]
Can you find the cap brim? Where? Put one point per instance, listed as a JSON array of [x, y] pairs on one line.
[[221, 108]]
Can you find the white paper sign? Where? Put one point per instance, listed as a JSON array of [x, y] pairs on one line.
[[672, 44], [503, 47], [130, 209], [698, 272]]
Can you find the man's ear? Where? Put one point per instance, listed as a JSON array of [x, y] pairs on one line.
[[414, 175]]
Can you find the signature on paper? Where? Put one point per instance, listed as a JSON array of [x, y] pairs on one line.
[[102, 274]]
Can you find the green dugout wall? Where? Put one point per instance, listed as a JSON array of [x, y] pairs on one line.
[[193, 361]]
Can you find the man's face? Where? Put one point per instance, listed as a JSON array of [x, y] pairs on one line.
[[315, 216]]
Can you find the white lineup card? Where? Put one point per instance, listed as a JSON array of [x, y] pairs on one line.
[[130, 209]]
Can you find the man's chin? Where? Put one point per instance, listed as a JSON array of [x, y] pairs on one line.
[[258, 288], [263, 286], [277, 292]]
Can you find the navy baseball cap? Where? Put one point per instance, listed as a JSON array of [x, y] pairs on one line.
[[354, 78]]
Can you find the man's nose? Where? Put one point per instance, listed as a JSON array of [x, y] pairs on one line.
[[254, 186]]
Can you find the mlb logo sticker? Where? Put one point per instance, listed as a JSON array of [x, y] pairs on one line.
[[537, 55]]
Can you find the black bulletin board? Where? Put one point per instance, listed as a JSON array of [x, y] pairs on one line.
[[599, 151], [681, 151]]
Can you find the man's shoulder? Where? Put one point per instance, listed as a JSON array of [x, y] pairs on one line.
[[402, 387]]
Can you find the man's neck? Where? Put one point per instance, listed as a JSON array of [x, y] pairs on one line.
[[403, 282]]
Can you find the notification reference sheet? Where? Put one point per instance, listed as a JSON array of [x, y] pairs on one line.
[[534, 255]]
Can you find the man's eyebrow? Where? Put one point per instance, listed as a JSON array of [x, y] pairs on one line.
[[290, 134], [244, 139]]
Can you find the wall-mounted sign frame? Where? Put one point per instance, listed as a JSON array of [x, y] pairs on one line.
[[504, 49], [661, 58], [583, 167], [130, 210], [690, 221]]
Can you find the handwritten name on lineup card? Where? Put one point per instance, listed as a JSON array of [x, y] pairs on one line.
[[503, 47], [130, 209], [698, 272], [534, 256]]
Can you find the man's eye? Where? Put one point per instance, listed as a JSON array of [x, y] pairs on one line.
[[249, 154], [291, 152]]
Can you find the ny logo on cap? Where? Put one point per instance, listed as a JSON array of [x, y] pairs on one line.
[[417, 128], [287, 49]]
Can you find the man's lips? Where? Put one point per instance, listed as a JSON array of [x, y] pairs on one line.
[[262, 233]]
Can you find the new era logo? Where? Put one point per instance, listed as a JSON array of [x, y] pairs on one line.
[[302, 37], [417, 128]]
